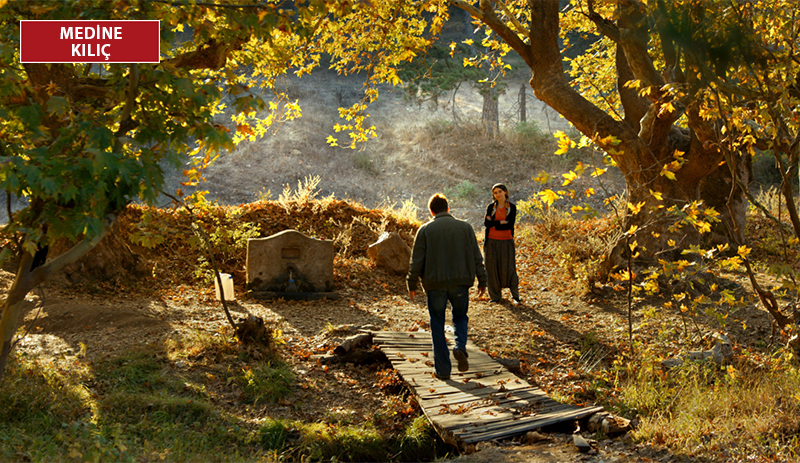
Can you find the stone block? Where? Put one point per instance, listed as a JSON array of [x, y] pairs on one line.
[[289, 262], [391, 252]]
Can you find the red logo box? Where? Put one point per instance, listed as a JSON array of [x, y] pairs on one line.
[[90, 41]]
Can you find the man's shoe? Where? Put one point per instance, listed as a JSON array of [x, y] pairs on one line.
[[516, 302], [442, 378], [496, 301], [461, 357]]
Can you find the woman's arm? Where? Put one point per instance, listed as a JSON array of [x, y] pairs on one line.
[[511, 217], [489, 221]]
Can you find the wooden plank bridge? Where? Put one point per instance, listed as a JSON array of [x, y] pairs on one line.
[[486, 402]]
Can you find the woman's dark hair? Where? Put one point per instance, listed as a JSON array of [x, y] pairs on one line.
[[437, 203]]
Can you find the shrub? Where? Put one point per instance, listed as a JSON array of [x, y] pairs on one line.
[[465, 191]]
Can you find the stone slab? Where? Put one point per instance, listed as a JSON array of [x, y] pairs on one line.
[[289, 262]]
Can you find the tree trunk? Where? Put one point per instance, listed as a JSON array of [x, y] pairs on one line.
[[490, 115], [27, 279], [357, 357], [659, 236], [522, 104]]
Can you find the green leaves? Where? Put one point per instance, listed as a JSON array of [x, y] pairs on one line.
[[58, 106], [31, 117]]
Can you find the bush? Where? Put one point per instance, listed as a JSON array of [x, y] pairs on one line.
[[579, 245], [465, 191]]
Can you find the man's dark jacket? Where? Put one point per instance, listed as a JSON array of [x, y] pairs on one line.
[[446, 253]]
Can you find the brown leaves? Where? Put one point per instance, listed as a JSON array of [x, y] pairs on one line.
[[177, 256]]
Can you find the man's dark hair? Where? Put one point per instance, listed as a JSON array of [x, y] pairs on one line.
[[437, 203]]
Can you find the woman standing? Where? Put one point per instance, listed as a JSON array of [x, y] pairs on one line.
[[498, 246]]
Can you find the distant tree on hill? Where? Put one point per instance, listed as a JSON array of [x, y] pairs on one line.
[[442, 69]]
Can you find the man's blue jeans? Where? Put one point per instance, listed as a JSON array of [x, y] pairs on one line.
[[437, 308]]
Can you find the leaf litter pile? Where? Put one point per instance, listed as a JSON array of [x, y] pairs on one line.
[[163, 303]]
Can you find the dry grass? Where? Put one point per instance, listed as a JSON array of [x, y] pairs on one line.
[[742, 412]]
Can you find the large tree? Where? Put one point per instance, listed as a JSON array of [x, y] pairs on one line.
[[78, 142], [678, 93]]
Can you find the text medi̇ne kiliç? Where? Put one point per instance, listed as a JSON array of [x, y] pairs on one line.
[[91, 33]]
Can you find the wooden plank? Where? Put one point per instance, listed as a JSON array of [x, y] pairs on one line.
[[467, 381], [425, 370], [486, 428], [519, 428], [486, 402], [512, 403], [425, 392], [412, 361], [499, 415], [524, 394]]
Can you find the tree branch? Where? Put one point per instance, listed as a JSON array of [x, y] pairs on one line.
[[634, 37], [210, 4], [126, 123], [210, 55], [706, 152], [474, 12], [520, 28], [56, 265], [671, 55], [550, 84], [604, 26], [487, 15], [634, 105]]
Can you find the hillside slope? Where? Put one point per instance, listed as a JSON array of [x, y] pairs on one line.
[[420, 148]]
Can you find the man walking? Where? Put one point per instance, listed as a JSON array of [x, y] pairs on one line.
[[447, 258]]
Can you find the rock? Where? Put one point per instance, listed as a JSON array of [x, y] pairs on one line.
[[253, 330], [609, 424], [513, 365], [391, 252], [721, 354], [582, 444], [596, 420], [289, 262], [531, 437], [615, 425], [794, 342], [666, 364]]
